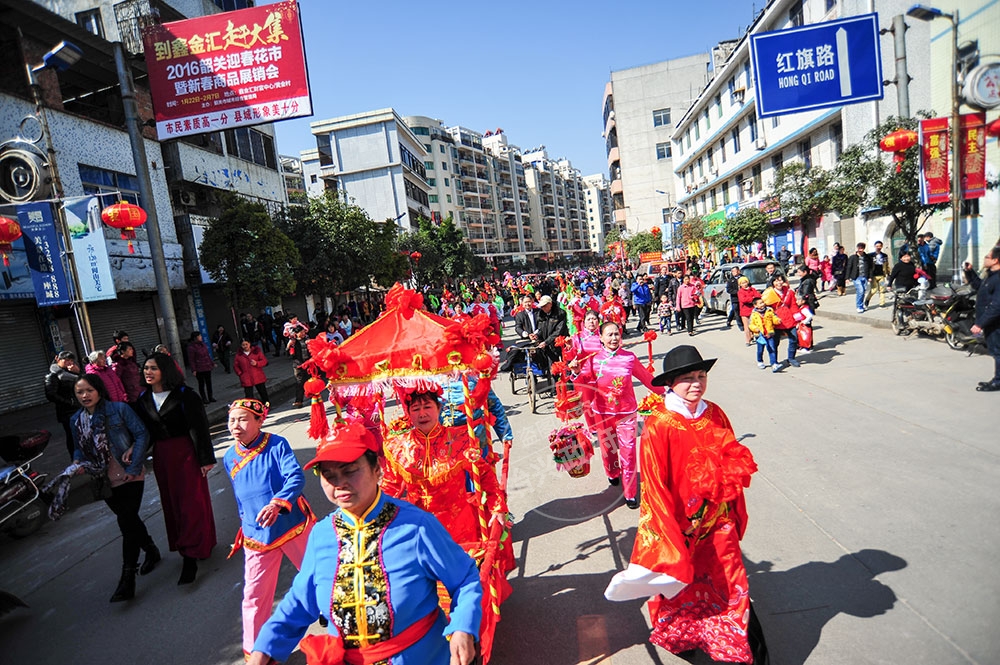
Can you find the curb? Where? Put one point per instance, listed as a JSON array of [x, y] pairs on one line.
[[855, 318]]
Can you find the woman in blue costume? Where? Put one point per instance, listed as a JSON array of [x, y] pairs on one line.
[[371, 569]]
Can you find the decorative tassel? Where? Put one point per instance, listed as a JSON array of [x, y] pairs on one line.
[[319, 427], [131, 247]]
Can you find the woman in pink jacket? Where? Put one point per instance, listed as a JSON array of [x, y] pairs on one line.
[[99, 365], [609, 374], [586, 343], [688, 297], [249, 364]]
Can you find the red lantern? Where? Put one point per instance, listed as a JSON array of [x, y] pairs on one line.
[[898, 143], [416, 256], [125, 216], [993, 129], [655, 230], [10, 231]]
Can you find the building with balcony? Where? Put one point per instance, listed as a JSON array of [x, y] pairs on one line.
[[442, 174], [94, 158], [600, 212], [511, 196], [378, 163], [558, 211], [641, 105], [725, 157]]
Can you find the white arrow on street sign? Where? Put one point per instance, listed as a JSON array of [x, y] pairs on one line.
[[844, 63]]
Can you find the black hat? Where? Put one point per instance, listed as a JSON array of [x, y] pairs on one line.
[[681, 360]]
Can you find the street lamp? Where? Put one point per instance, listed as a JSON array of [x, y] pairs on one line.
[[925, 13], [61, 58]]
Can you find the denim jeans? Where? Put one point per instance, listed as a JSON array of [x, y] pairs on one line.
[[772, 350], [793, 341], [859, 291]]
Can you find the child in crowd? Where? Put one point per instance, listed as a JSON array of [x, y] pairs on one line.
[[666, 312], [804, 329], [762, 321]]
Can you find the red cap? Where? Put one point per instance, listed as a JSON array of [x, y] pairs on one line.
[[346, 443]]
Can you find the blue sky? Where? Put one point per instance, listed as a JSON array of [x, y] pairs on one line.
[[536, 69]]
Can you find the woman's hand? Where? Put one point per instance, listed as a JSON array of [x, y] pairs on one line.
[[463, 648], [268, 515], [205, 469], [127, 455]]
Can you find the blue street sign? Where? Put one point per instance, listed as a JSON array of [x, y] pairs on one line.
[[817, 66]]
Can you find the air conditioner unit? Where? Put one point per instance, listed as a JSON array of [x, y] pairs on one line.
[[714, 170], [737, 95], [186, 198], [761, 143], [747, 186]]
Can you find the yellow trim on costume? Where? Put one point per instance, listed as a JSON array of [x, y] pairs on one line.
[[287, 505], [258, 546], [359, 521], [249, 455]]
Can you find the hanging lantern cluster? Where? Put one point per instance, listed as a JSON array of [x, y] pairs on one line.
[[10, 231], [655, 230], [125, 217], [416, 256], [898, 143]]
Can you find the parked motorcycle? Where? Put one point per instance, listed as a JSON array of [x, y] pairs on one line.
[[929, 311], [22, 508], [958, 324]]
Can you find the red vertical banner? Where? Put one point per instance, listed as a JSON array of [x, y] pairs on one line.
[[935, 178], [973, 149]]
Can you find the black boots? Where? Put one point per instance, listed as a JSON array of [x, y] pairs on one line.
[[126, 585], [189, 571], [152, 557]]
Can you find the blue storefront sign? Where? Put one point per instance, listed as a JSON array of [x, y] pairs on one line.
[[823, 65], [41, 244]]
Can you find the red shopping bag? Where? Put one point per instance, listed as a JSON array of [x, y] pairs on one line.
[[805, 335]]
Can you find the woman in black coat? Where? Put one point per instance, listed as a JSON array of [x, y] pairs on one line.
[[182, 457]]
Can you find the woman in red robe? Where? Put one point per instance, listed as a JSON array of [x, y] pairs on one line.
[[687, 556]]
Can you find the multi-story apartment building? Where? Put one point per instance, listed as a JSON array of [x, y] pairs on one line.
[[511, 190], [94, 157], [725, 157], [641, 106], [558, 213], [377, 162], [600, 212], [295, 184], [442, 176]]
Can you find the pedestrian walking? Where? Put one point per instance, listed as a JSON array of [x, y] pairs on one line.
[[404, 550], [687, 558], [182, 457], [665, 313], [641, 299], [99, 365], [298, 349], [785, 308], [201, 363], [988, 316], [838, 266], [222, 344], [249, 364], [60, 389], [110, 443], [826, 273], [881, 265], [904, 274], [275, 519], [761, 324], [732, 288], [609, 374], [687, 302], [859, 268], [127, 370], [746, 295]]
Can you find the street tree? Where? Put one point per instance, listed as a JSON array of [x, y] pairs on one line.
[[643, 241], [746, 227], [444, 252], [692, 231], [245, 251], [870, 181]]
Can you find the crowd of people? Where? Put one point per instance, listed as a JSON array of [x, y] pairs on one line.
[[405, 493]]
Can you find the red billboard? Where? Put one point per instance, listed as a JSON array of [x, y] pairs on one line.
[[973, 150], [935, 179], [227, 70]]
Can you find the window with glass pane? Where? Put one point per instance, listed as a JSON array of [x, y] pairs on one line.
[[661, 117], [736, 140], [324, 148], [429, 166], [663, 151], [752, 122], [755, 171], [90, 21], [805, 151]]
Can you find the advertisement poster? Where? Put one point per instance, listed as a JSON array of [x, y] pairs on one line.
[[935, 178], [90, 251], [227, 70], [41, 244], [973, 151]]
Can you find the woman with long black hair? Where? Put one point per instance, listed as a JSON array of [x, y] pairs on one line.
[[182, 457]]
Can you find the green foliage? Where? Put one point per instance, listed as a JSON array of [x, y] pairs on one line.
[[614, 235], [643, 242], [805, 194], [692, 231], [249, 255], [748, 226], [444, 252], [342, 247], [871, 178]]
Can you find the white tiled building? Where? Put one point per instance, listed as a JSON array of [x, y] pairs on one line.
[[600, 212], [725, 157]]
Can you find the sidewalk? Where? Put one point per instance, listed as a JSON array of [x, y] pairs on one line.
[[226, 389], [842, 308]]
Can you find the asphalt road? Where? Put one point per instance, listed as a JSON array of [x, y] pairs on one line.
[[869, 540]]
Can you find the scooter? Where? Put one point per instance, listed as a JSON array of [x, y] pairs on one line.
[[927, 311], [22, 506], [958, 321]]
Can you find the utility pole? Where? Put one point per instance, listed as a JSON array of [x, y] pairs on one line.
[[902, 76], [146, 192]]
